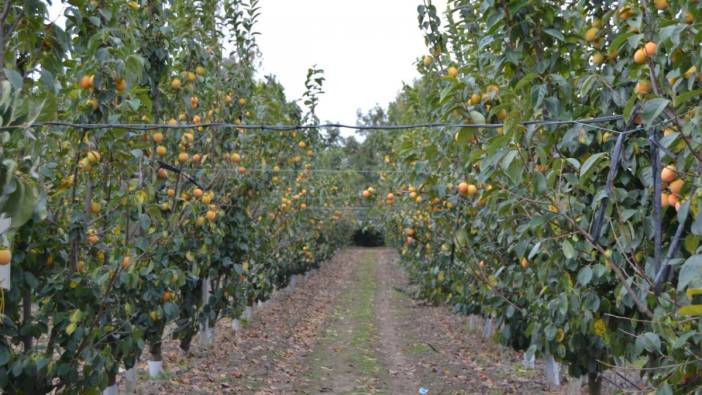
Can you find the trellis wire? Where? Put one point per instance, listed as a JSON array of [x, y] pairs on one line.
[[587, 122], [294, 171], [285, 128]]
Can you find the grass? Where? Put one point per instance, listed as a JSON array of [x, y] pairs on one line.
[[417, 349], [351, 335]]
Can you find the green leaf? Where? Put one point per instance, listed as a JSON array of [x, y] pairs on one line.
[[635, 40], [696, 227], [540, 183], [477, 118], [71, 328], [550, 332], [650, 341], [446, 93], [464, 135], [653, 108], [507, 160], [691, 243], [21, 203], [573, 162], [690, 273], [461, 238], [134, 65], [618, 41], [568, 250], [15, 79], [664, 389], [681, 99], [586, 168], [525, 81], [555, 34], [585, 275], [681, 341]]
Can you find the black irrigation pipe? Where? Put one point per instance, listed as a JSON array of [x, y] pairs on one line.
[[283, 128]]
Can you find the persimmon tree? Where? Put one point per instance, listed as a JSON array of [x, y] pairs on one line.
[[112, 232], [580, 239]]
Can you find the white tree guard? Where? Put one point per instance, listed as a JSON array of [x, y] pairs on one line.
[[130, 380], [111, 390], [529, 363], [293, 281], [575, 385], [205, 338], [488, 329], [248, 313], [552, 371], [236, 325], [155, 368], [473, 322]]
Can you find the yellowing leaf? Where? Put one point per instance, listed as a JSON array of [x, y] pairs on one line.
[[691, 310], [75, 317], [141, 196]]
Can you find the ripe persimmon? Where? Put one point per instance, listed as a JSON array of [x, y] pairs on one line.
[[5, 257], [669, 173], [86, 82]]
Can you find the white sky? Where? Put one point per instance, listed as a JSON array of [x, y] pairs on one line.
[[367, 48]]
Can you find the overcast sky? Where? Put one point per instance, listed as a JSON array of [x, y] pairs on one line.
[[367, 48]]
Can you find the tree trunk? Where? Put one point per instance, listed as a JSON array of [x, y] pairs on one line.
[[111, 378], [155, 349], [594, 383]]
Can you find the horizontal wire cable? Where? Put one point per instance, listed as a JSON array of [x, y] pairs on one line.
[[291, 171], [284, 128]]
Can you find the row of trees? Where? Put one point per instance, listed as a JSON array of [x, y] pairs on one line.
[[113, 233], [581, 240]]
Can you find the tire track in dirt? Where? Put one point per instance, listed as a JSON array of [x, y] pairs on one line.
[[400, 370], [446, 356]]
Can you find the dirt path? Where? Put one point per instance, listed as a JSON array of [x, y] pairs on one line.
[[349, 328]]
